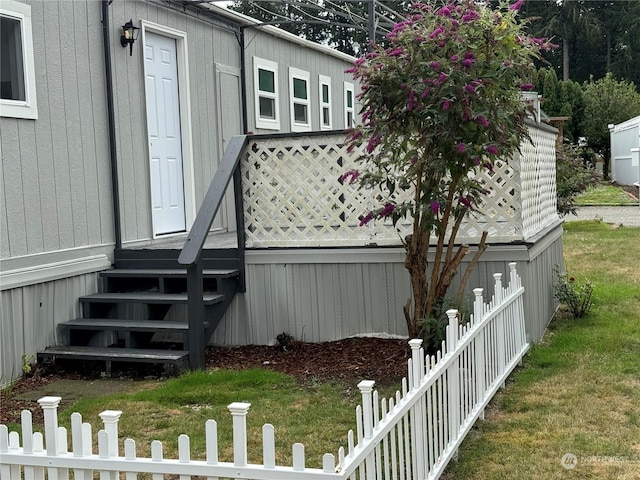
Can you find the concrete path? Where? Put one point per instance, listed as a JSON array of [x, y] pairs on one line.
[[629, 216]]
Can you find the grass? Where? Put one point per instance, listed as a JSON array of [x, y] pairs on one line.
[[605, 195], [579, 390], [318, 415]]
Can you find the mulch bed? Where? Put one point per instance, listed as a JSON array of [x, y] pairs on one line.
[[632, 190], [347, 361]]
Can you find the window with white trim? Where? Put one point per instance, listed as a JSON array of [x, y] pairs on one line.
[[17, 73], [265, 80], [349, 108], [324, 92], [299, 100]]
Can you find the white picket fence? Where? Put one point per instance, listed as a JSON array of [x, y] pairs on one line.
[[413, 435]]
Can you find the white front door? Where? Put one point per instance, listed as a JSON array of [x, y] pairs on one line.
[[165, 147]]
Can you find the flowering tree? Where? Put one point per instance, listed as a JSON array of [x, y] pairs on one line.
[[439, 103]]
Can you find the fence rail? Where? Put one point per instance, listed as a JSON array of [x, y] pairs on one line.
[[412, 435]]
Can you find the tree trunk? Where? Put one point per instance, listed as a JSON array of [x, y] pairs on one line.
[[608, 51], [565, 59], [416, 264]]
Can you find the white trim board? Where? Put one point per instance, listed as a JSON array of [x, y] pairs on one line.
[[22, 277], [511, 253]]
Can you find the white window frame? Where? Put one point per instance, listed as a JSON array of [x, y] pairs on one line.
[[348, 87], [27, 108], [296, 74], [322, 81], [264, 122]]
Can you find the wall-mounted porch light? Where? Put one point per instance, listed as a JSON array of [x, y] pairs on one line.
[[129, 35]]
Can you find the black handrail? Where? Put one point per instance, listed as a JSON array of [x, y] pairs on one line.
[[192, 249]]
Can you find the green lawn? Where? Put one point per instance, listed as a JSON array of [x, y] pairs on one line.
[[317, 415], [604, 195], [579, 390]]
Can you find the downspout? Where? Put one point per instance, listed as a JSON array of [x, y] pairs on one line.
[[243, 82], [112, 124], [237, 175]]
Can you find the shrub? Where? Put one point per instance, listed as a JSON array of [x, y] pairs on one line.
[[575, 296], [572, 177], [440, 103]]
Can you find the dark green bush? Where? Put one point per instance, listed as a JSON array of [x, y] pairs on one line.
[[573, 176]]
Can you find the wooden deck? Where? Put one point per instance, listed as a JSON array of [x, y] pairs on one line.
[[215, 240]]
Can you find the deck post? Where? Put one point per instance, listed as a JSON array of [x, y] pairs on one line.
[[195, 314]]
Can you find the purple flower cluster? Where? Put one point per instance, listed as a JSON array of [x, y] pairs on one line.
[[387, 210], [470, 16], [482, 120], [352, 175], [492, 149], [366, 219], [465, 201], [373, 143], [438, 31], [516, 6]]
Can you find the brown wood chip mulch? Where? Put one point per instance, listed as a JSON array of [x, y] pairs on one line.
[[348, 361]]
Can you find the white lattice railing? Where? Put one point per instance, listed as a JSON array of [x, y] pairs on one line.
[[410, 436], [293, 197]]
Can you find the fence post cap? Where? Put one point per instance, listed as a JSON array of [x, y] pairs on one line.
[[110, 415], [366, 386], [49, 401], [415, 343], [238, 408], [478, 292]]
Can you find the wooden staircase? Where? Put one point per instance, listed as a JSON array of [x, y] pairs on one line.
[[140, 313]]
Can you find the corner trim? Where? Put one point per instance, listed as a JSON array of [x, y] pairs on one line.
[[22, 277]]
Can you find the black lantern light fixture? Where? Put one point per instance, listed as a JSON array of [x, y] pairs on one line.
[[129, 35]]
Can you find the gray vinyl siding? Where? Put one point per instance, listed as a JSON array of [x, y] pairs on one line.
[[323, 298], [278, 50], [622, 141], [42, 305], [55, 169]]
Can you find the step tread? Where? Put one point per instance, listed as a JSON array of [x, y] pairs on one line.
[[120, 324], [166, 272], [148, 297], [112, 353]]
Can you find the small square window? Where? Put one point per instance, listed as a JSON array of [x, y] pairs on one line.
[[265, 75], [300, 113], [17, 73], [266, 82], [324, 96], [267, 108], [349, 108], [299, 100]]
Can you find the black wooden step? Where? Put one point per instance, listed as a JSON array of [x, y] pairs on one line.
[[126, 325], [113, 354], [166, 273], [148, 298], [226, 258]]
